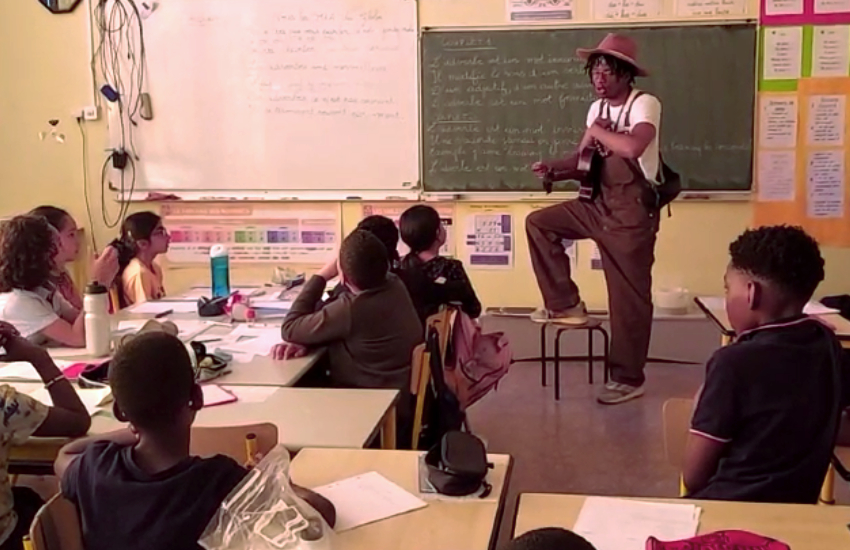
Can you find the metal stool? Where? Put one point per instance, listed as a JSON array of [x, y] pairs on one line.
[[592, 325]]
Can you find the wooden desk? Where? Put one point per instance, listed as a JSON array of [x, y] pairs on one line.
[[468, 524], [803, 527], [305, 417], [727, 334], [260, 371]]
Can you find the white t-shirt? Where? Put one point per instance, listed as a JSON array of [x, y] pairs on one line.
[[31, 311], [645, 108]]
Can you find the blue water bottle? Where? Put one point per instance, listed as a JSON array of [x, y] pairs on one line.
[[220, 270]]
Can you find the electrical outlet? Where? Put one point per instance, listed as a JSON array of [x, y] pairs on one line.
[[91, 112]]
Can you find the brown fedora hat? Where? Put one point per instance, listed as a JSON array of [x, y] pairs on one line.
[[619, 46]]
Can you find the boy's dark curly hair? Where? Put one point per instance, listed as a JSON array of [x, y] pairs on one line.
[[27, 248], [781, 254]]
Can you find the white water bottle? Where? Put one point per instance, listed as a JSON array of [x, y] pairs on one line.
[[98, 325], [220, 270]]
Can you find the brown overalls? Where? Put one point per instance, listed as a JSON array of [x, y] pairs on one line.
[[624, 229]]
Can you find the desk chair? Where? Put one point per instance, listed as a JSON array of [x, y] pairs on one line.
[[237, 442], [676, 416], [57, 526]]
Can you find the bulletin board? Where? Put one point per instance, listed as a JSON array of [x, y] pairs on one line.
[[804, 89]]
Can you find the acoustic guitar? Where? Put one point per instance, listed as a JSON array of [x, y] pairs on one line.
[[587, 172]]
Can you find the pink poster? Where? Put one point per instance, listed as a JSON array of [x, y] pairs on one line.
[[805, 12]]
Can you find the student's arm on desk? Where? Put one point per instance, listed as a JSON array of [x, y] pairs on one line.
[[713, 424], [307, 327], [68, 416], [72, 335], [72, 450]]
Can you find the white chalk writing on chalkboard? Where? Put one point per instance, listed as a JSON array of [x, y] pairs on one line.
[[825, 184]]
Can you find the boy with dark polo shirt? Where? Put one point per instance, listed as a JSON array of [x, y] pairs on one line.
[[766, 417]]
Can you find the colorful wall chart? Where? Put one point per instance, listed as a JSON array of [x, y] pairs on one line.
[[804, 87], [252, 234]]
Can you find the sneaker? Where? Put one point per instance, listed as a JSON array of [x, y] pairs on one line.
[[576, 315], [615, 393]]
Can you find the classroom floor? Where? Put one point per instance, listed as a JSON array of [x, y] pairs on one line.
[[578, 446]]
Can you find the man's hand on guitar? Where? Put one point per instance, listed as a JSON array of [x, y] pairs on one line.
[[603, 123]]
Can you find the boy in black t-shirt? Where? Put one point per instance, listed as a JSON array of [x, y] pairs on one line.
[[766, 417], [140, 488]]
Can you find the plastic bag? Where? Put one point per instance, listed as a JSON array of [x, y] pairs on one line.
[[263, 513]]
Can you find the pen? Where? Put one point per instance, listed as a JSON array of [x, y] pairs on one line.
[[163, 314]]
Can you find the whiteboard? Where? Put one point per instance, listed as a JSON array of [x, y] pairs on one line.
[[279, 95]]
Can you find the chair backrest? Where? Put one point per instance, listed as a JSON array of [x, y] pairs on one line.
[[420, 375], [677, 414], [57, 526], [232, 441]]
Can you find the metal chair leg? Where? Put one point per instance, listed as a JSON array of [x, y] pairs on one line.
[[558, 364], [543, 355], [590, 356], [606, 367]]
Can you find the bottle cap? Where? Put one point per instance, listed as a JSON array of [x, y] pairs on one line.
[[218, 250], [95, 288]]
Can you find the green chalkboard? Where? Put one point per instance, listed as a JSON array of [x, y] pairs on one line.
[[494, 102]]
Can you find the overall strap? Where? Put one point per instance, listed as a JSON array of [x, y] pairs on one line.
[[627, 121]]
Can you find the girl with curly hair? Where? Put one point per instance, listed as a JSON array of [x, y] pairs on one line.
[[103, 269], [29, 299]]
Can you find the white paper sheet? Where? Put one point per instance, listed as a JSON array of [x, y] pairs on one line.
[[520, 11], [710, 8], [489, 242], [155, 308], [619, 524], [783, 52], [216, 395], [367, 498], [832, 6], [717, 303], [825, 174], [776, 177], [186, 327], [251, 394], [831, 51], [826, 120], [778, 122], [245, 342], [93, 399], [783, 7], [616, 10]]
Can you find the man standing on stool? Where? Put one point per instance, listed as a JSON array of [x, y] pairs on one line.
[[624, 125]]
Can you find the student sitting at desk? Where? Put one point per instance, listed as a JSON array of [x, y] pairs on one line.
[[23, 416], [370, 330], [29, 299], [767, 415], [432, 280], [386, 231], [143, 238], [104, 269], [140, 488]]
